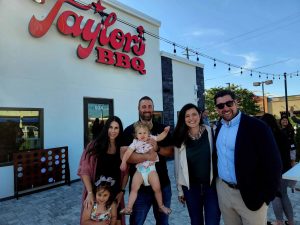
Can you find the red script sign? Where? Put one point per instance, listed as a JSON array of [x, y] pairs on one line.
[[116, 39]]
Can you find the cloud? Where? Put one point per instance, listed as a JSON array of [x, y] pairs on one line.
[[205, 32], [250, 59]]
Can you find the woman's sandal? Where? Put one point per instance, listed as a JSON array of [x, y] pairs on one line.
[[126, 211], [165, 210]]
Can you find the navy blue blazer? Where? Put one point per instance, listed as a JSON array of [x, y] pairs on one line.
[[257, 162]]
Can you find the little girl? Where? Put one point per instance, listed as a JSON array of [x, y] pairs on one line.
[[104, 210], [146, 172]]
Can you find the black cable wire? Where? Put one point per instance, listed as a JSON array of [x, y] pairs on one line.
[[174, 44], [262, 28]]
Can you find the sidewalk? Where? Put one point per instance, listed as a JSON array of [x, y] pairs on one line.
[[61, 206]]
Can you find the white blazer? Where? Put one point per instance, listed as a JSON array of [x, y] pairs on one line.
[[181, 166]]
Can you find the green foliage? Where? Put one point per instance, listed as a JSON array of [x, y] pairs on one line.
[[246, 99]]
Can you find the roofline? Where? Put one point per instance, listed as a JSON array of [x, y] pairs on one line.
[[181, 59], [133, 12]]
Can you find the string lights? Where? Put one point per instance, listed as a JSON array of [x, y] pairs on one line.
[[215, 60], [189, 51]]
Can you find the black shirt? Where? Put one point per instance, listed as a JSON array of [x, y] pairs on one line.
[[108, 165], [161, 166], [198, 158]]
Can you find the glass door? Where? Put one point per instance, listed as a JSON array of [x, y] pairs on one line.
[[96, 112]]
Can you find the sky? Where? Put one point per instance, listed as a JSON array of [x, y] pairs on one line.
[[262, 34]]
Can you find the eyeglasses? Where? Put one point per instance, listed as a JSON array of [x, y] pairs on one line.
[[222, 105]]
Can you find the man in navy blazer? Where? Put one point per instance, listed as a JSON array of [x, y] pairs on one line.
[[248, 161]]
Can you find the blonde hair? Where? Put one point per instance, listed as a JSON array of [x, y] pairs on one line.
[[138, 125]]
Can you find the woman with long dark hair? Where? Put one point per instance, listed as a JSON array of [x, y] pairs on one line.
[[289, 130], [100, 162], [281, 203], [194, 167]]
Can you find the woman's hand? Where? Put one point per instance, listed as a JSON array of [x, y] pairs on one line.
[[181, 199], [89, 200]]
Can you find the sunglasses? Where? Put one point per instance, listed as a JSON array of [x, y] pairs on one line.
[[222, 105]]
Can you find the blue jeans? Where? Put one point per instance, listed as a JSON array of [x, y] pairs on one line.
[[143, 203], [200, 197], [283, 204]]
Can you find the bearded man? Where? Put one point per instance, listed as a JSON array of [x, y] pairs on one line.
[[163, 149]]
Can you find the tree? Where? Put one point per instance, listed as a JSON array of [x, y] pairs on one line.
[[246, 99]]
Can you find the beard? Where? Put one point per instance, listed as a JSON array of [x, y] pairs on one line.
[[146, 116]]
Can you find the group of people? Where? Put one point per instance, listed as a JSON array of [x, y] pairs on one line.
[[234, 170], [105, 175]]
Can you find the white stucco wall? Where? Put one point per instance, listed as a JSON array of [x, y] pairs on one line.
[[184, 81], [46, 73], [7, 184]]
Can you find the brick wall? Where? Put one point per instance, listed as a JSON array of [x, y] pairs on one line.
[[167, 88], [200, 85]]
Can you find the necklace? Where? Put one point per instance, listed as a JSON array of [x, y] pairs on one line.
[[198, 135]]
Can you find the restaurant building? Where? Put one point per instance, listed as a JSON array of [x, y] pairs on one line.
[[64, 63]]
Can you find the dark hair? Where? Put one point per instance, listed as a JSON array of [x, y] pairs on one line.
[[145, 98], [104, 186], [289, 125], [271, 122], [181, 129], [102, 142], [223, 93]]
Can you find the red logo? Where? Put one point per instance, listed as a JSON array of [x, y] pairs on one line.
[[116, 39]]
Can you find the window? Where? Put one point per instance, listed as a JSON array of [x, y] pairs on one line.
[[158, 117], [95, 108], [20, 129]]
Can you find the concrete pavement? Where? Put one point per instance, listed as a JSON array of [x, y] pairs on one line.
[[61, 206]]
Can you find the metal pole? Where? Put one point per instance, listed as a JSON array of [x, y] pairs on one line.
[[286, 96], [263, 92], [228, 85]]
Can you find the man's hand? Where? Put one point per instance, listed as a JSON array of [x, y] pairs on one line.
[[153, 143], [151, 155], [139, 158]]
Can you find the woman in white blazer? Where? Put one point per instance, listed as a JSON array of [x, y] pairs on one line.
[[194, 167]]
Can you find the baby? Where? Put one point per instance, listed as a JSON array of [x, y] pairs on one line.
[[146, 172]]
